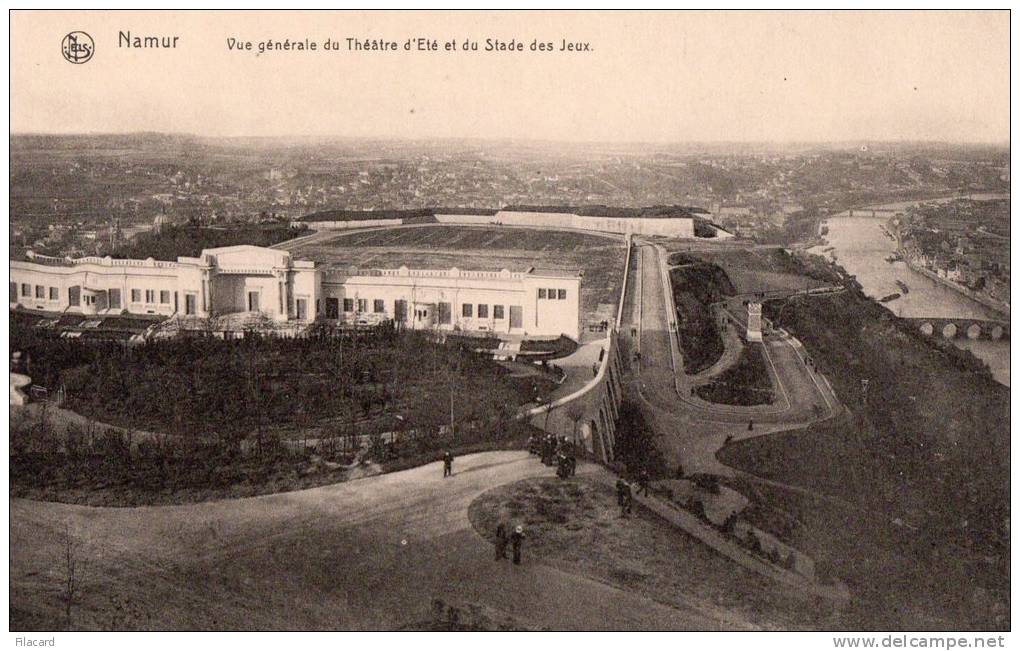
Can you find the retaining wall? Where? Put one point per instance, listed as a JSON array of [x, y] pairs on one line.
[[354, 223], [597, 404]]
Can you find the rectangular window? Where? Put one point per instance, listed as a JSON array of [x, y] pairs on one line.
[[541, 292], [400, 310], [362, 305], [14, 292], [332, 308], [164, 296], [114, 295], [348, 305], [136, 296], [466, 310], [55, 294], [445, 313], [302, 309], [497, 312], [26, 289], [552, 294], [253, 302], [483, 311], [150, 296], [74, 295], [40, 291], [378, 306], [562, 294], [189, 303]]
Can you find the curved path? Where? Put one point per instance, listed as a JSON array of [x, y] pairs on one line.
[[366, 554], [690, 430]]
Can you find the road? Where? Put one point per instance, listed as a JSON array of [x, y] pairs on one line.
[[366, 554], [689, 430]]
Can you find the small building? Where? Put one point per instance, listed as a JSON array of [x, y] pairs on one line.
[[754, 322]]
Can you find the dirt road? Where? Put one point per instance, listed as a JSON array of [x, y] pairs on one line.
[[366, 554]]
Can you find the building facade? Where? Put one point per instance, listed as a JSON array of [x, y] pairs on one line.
[[219, 281], [531, 303], [249, 279]]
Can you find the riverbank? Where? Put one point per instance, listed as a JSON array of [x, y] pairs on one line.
[[861, 248], [990, 303]]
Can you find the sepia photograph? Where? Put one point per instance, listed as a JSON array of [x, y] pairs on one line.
[[431, 321]]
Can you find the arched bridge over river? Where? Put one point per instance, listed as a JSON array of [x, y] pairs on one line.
[[962, 328]]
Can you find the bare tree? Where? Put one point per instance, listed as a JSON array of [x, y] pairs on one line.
[[575, 412], [75, 566]]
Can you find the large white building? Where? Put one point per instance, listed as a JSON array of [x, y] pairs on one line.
[[249, 279], [531, 303]]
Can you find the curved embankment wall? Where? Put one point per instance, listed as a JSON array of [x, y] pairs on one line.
[[358, 223], [591, 412], [670, 227], [682, 227]]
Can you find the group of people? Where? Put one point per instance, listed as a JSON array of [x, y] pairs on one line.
[[504, 537], [558, 452]]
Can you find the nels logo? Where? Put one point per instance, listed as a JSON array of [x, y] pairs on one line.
[[77, 47]]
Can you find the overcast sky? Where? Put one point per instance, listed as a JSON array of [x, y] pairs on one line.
[[658, 77]]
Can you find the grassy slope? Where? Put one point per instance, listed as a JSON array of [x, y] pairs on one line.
[[930, 446], [745, 383], [695, 287], [576, 526]]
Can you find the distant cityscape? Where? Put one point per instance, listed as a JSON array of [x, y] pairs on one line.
[[88, 195]]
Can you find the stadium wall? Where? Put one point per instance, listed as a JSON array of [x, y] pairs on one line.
[[354, 223], [477, 220], [682, 227], [668, 227]]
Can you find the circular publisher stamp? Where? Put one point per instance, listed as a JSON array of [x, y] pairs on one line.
[[77, 47]]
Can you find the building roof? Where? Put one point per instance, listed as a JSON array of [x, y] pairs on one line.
[[454, 272]]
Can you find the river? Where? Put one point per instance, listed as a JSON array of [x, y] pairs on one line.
[[861, 247]]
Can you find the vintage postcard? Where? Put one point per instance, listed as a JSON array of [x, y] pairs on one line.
[[511, 321]]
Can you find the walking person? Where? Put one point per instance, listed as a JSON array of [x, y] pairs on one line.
[[643, 483], [502, 540], [516, 540], [620, 487], [627, 501], [447, 464]]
